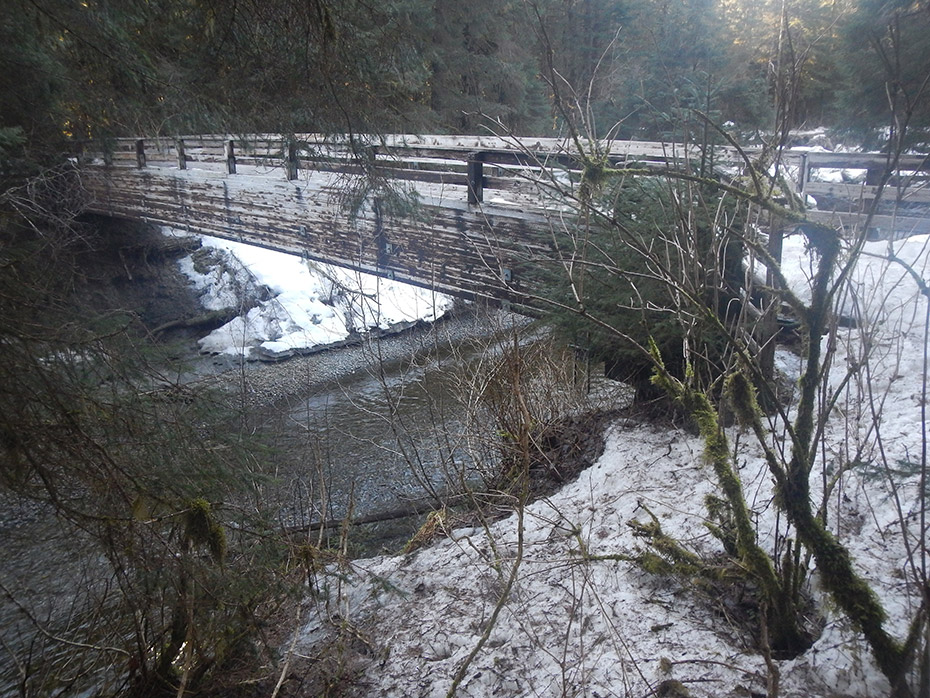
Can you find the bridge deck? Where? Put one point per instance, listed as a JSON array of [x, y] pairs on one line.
[[464, 215]]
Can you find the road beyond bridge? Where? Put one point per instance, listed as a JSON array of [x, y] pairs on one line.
[[465, 215]]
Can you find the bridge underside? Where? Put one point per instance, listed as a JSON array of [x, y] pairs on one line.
[[441, 243]]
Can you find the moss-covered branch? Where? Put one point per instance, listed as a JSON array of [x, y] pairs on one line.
[[781, 606]]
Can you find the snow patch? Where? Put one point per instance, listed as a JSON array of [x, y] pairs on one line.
[[579, 620], [311, 304]]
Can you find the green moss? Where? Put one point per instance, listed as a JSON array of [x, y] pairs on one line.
[[216, 543], [202, 529], [742, 536], [742, 397], [654, 564], [720, 523], [669, 556], [593, 177]]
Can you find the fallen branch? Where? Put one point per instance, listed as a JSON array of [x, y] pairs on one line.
[[211, 320], [414, 508]]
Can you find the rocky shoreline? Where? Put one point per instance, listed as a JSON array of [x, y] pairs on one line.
[[264, 384]]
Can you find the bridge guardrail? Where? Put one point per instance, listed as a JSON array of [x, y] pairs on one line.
[[483, 165]]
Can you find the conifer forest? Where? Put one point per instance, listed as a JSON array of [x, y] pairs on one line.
[[694, 461]]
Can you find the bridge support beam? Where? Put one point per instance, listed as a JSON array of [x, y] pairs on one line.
[[803, 174]]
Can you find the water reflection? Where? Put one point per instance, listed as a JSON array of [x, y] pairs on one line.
[[371, 441]]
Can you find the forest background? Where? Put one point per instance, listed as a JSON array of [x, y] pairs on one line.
[[169, 67], [143, 477]]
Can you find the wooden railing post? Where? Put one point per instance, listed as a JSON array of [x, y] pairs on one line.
[[803, 174], [229, 151], [873, 178], [80, 152], [768, 324], [475, 175], [290, 160], [182, 157], [140, 153]]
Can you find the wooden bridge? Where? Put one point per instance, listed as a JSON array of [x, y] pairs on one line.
[[464, 215]]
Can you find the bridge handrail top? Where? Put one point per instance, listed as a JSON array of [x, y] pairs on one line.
[[453, 142], [531, 147]]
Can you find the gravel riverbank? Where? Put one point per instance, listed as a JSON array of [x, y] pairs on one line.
[[266, 384]]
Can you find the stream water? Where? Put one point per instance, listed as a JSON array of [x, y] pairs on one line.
[[371, 442], [384, 432]]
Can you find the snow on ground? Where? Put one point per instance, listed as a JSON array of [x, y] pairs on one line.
[[307, 304], [579, 622]]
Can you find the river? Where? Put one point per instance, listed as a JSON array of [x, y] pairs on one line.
[[365, 429], [395, 430]]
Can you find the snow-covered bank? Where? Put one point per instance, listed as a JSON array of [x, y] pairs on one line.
[[291, 305], [580, 621]]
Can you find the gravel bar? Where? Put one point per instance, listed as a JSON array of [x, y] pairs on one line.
[[266, 384]]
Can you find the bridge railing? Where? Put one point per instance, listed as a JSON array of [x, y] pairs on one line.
[[491, 168], [478, 170]]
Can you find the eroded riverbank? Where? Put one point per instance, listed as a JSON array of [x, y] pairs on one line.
[[348, 432]]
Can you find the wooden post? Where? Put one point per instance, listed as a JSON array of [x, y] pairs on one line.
[[769, 322], [182, 158], [229, 150], [381, 242], [802, 175], [140, 153], [290, 160], [475, 177], [873, 175], [80, 152]]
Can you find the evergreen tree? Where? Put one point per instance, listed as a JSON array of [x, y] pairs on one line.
[[30, 82], [887, 69], [480, 69], [689, 63], [103, 67], [583, 51], [664, 252]]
